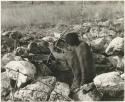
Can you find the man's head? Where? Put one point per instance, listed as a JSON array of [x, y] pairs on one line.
[[72, 39]]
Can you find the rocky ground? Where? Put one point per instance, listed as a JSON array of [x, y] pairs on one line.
[[31, 73]]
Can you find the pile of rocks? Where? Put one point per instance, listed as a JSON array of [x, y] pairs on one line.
[[28, 75]]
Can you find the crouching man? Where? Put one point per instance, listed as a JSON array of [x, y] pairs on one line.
[[80, 60]]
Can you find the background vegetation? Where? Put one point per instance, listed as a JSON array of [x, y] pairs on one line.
[[20, 13]]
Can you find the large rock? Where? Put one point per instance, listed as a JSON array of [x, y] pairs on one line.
[[87, 92], [98, 44], [115, 46], [38, 91], [43, 43], [107, 79], [16, 35], [38, 48], [63, 90], [111, 85], [113, 93], [26, 71], [117, 62]]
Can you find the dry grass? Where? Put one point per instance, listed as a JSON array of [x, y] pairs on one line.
[[53, 14]]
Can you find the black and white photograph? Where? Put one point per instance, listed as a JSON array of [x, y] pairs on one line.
[[62, 50]]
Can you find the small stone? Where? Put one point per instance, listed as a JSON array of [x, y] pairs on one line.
[[21, 51], [123, 76], [57, 35], [49, 39], [7, 33]]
